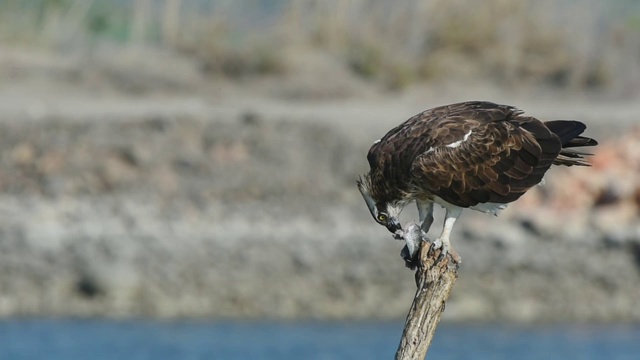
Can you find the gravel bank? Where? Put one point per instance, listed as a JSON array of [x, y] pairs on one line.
[[250, 216]]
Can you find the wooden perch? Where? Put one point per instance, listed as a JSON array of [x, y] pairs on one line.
[[434, 280]]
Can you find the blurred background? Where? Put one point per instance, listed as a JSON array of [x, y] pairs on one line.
[[177, 176]]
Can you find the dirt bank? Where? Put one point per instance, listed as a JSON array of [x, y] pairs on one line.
[[128, 190], [255, 217]]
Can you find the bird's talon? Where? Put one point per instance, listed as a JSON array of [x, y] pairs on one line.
[[441, 257], [455, 257], [444, 249]]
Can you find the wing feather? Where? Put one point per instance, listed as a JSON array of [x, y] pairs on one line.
[[502, 158], [468, 153]]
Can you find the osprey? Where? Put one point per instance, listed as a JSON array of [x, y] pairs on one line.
[[476, 155]]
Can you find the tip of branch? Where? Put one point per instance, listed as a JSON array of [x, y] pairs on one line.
[[419, 253], [431, 265]]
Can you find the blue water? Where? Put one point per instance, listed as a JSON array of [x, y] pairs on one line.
[[101, 339]]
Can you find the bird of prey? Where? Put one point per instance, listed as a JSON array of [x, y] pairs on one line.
[[477, 155]]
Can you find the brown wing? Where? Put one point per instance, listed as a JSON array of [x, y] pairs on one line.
[[500, 160], [394, 156]]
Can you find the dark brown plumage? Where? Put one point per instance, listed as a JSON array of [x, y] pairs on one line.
[[466, 155]]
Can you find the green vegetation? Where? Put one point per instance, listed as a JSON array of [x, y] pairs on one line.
[[560, 43]]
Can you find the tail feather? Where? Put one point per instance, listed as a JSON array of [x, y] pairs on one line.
[[580, 141], [566, 130], [573, 153], [569, 133]]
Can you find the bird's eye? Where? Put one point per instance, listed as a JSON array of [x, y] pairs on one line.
[[382, 217]]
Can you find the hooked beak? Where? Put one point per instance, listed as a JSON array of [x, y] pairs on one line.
[[393, 225]]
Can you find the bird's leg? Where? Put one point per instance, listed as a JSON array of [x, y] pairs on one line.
[[443, 241], [425, 211]]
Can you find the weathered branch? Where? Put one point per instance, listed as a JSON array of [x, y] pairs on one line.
[[434, 280]]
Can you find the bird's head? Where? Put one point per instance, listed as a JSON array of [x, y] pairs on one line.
[[384, 212]]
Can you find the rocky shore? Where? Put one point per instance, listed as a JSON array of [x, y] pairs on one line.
[[250, 216], [128, 189]]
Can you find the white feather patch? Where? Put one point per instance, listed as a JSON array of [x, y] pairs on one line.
[[490, 208], [457, 143]]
